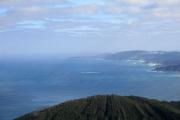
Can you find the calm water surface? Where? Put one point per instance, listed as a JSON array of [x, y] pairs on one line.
[[26, 86]]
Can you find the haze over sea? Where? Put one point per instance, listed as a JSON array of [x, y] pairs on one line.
[[28, 85]]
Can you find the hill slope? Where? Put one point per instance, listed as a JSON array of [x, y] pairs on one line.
[[109, 108]]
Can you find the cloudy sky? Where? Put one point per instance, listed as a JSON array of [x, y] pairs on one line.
[[78, 27]]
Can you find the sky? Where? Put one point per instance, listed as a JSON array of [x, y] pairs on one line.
[[87, 27]]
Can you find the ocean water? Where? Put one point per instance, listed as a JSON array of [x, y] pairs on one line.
[[30, 85]]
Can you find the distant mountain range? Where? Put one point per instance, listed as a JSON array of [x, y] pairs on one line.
[[110, 107], [164, 61]]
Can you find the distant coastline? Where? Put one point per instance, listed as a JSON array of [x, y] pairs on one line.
[[159, 60]]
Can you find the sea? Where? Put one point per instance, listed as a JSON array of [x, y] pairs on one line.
[[32, 85]]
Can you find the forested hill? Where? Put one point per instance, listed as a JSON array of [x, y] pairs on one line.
[[109, 108]]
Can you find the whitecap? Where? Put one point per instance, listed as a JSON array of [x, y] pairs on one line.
[[153, 64], [90, 72]]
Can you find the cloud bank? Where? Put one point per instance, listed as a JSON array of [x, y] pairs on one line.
[[13, 12], [88, 25]]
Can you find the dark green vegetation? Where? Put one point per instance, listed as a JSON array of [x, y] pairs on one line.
[[167, 61], [109, 108]]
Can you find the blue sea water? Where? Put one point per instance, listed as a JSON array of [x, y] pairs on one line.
[[30, 85]]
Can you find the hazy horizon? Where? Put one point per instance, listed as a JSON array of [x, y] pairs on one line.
[[75, 27]]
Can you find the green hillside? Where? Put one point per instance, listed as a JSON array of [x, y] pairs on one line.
[[109, 108]]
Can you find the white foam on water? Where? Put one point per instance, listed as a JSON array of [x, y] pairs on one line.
[[90, 72], [136, 61], [153, 64]]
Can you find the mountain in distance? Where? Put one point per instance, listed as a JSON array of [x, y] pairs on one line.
[[109, 107], [164, 61]]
